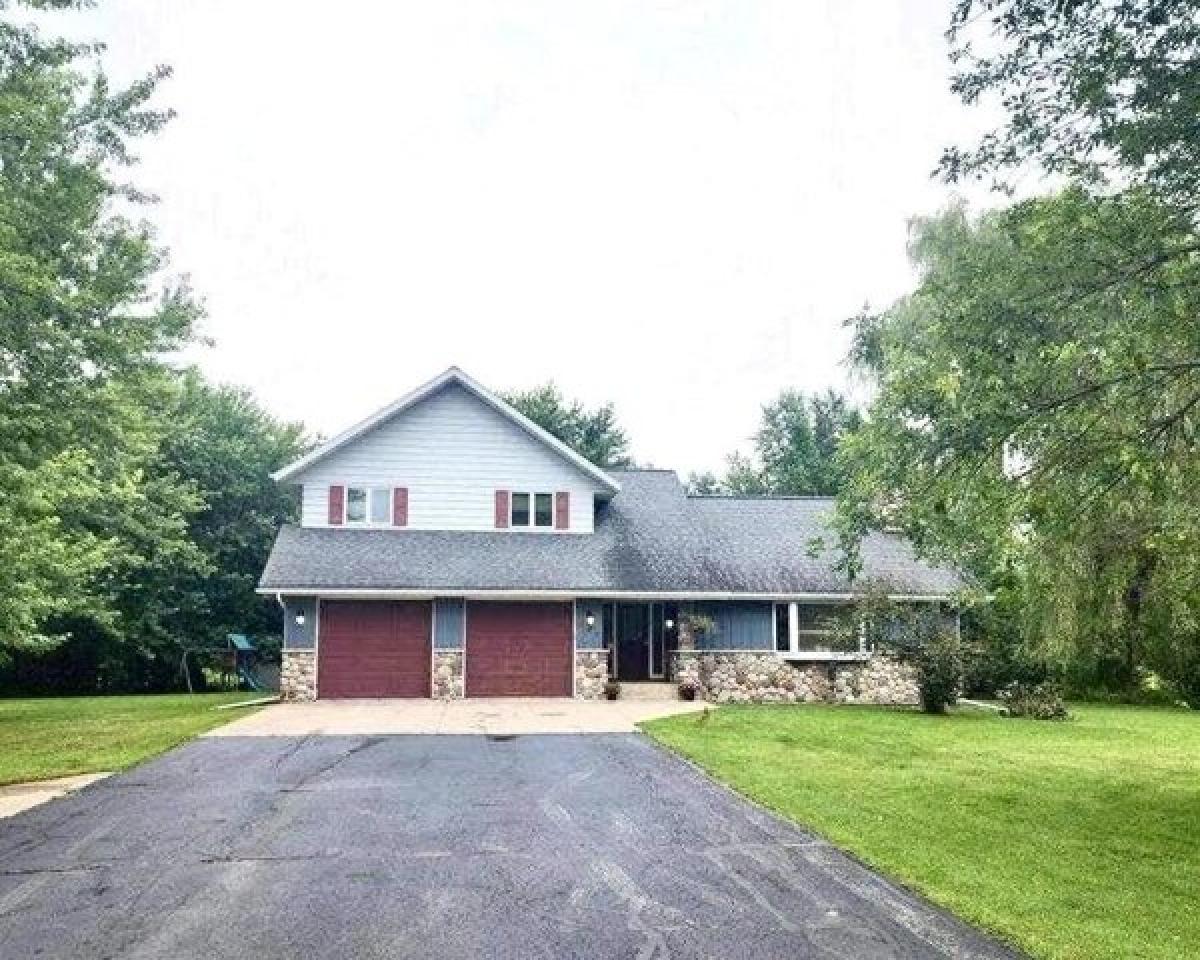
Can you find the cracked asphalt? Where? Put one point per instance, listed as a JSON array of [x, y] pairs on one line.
[[441, 846]]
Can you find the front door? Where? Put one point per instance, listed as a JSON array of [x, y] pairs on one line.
[[633, 641]]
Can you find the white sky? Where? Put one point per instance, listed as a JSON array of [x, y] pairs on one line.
[[669, 205]]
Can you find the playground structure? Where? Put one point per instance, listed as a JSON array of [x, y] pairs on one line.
[[238, 664]]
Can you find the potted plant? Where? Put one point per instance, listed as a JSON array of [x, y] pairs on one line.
[[687, 690], [612, 690]]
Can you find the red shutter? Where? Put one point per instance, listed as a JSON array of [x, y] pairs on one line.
[[337, 504], [400, 507], [501, 509], [562, 510]]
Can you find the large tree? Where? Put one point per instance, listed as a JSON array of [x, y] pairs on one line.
[[1032, 413], [594, 434], [82, 326], [795, 449], [1101, 91]]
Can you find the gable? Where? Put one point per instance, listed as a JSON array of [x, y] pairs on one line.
[[451, 450], [452, 376]]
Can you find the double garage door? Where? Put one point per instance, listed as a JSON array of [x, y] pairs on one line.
[[383, 648]]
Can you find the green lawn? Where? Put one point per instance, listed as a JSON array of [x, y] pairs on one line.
[[59, 736], [1075, 840]]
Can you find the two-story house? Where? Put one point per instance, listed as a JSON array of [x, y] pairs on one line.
[[449, 547]]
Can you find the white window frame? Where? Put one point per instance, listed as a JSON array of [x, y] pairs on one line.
[[795, 633], [369, 488], [532, 524]]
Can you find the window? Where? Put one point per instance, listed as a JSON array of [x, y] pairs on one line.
[[782, 643], [543, 510], [356, 505], [369, 506], [813, 628], [520, 509], [532, 510], [381, 506]]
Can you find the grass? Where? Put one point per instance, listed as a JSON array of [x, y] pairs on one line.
[[57, 737], [1075, 841]]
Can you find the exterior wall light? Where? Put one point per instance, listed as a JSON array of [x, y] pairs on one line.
[[300, 619], [590, 619], [669, 623]]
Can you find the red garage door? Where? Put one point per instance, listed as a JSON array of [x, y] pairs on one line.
[[373, 648], [519, 650]]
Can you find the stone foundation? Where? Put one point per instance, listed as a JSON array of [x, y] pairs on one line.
[[731, 677], [591, 673], [447, 674], [298, 675]]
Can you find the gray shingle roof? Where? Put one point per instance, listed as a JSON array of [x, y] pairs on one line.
[[651, 537]]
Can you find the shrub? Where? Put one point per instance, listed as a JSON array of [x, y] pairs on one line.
[[1040, 701], [939, 670]]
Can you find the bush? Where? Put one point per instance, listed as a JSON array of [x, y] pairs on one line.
[[939, 670], [1040, 701]]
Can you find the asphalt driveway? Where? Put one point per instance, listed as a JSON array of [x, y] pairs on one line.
[[440, 846]]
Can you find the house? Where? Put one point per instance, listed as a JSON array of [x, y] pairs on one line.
[[450, 547]]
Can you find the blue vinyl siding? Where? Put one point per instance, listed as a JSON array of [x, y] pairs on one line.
[[589, 638], [448, 623], [738, 625], [299, 636]]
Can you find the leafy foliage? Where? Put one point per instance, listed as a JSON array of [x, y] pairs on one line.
[[1038, 419], [1040, 701], [593, 434], [120, 536], [1095, 90], [795, 449]]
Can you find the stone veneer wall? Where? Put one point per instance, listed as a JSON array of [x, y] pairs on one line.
[[732, 677], [591, 673], [298, 675], [447, 674]]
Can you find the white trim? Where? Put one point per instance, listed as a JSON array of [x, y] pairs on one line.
[[574, 646], [425, 593], [531, 526], [452, 375], [834, 656], [368, 523]]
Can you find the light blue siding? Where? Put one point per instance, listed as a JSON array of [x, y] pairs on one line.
[[448, 623], [738, 625], [589, 638], [299, 636]]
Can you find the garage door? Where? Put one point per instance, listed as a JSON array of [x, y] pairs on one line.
[[373, 648], [519, 650]]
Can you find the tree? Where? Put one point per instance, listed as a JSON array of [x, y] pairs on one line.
[[795, 448], [226, 447], [1095, 90], [593, 434], [1035, 415], [81, 329]]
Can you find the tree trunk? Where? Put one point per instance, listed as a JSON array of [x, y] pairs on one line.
[[1145, 562]]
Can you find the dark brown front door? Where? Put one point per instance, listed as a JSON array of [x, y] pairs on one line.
[[519, 650], [373, 648]]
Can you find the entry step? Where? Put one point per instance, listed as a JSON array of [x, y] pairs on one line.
[[654, 690]]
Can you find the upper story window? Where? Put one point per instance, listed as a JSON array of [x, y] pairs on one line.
[[369, 506], [532, 510]]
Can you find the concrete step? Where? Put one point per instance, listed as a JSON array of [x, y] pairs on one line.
[[654, 690]]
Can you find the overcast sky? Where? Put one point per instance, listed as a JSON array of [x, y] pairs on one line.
[[670, 205]]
